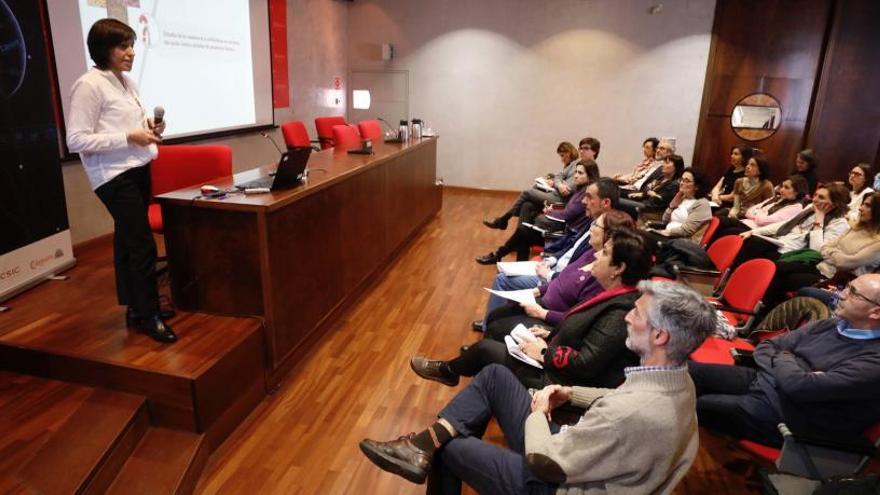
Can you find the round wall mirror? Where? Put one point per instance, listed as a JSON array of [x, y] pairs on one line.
[[756, 117]]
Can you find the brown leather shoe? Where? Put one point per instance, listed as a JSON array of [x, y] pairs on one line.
[[399, 457], [430, 370]]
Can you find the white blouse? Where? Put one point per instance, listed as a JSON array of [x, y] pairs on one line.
[[102, 112]]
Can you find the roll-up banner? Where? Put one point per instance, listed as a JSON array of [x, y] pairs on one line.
[[35, 238]]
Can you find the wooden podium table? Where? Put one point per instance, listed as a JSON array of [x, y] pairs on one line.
[[293, 257]]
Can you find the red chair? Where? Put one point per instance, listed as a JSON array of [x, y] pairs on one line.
[[710, 231], [184, 165], [722, 253], [346, 137], [741, 298], [817, 458], [370, 129], [295, 134], [324, 128]]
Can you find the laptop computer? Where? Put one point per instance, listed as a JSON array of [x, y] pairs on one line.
[[288, 174]]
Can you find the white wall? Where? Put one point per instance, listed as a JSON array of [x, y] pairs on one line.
[[316, 34], [503, 81]]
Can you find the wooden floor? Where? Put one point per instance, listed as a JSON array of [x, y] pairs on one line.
[[356, 381]]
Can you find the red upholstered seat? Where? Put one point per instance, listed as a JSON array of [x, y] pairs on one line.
[[746, 287], [295, 134], [370, 129], [769, 454], [183, 165], [722, 253], [324, 128], [717, 350], [346, 137], [710, 231]]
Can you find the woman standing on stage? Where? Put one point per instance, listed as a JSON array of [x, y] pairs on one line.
[[108, 127]]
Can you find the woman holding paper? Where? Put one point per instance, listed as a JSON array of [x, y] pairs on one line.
[[586, 348]]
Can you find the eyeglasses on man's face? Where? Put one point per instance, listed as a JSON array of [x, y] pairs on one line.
[[855, 292]]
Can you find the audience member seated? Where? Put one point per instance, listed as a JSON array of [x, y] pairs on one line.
[[722, 193], [585, 348], [688, 214], [820, 380], [818, 224], [857, 251], [752, 188], [562, 183], [805, 165], [572, 285], [551, 220], [643, 168], [599, 198], [793, 193], [639, 438], [858, 181], [659, 192], [664, 149]]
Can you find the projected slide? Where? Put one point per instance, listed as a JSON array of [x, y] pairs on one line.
[[207, 62]]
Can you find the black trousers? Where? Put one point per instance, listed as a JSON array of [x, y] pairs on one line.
[[728, 226], [127, 197], [755, 247]]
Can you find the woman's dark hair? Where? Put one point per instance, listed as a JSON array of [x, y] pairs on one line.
[[763, 167], [800, 186], [569, 149], [839, 196], [617, 220], [872, 225], [678, 162], [801, 190], [592, 170], [631, 248], [593, 143], [702, 186], [809, 156], [654, 142], [745, 150], [866, 170], [105, 35]]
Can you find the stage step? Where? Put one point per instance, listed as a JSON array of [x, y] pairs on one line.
[[165, 462], [60, 438]]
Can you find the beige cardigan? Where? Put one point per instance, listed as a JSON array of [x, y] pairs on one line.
[[638, 438], [857, 251]]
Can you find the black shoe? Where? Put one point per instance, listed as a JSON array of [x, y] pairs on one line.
[[499, 223], [157, 329], [399, 457], [489, 259], [430, 370], [477, 325], [131, 318]]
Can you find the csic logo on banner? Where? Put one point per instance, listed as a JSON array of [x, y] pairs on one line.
[[31, 264]]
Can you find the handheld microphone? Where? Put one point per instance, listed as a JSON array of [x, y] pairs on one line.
[[267, 136], [158, 115]]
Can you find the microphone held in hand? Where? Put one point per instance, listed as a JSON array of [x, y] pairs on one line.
[[267, 136], [158, 115]]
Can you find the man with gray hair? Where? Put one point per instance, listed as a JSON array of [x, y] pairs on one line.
[[605, 450]]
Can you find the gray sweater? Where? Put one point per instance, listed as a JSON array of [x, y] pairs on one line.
[[638, 438]]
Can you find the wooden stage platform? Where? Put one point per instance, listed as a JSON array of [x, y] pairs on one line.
[[197, 390]]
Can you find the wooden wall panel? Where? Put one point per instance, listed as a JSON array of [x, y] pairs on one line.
[[845, 128], [758, 46]]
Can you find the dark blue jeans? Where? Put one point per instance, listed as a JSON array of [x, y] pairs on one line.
[[487, 468], [725, 399]]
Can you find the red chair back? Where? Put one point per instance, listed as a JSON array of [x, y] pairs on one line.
[[747, 285], [346, 137], [370, 129], [722, 253], [184, 165], [295, 134], [710, 231], [324, 128]]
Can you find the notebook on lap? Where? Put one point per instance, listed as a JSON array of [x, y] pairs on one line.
[[288, 174]]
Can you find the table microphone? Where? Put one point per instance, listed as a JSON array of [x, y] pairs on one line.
[[267, 136]]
